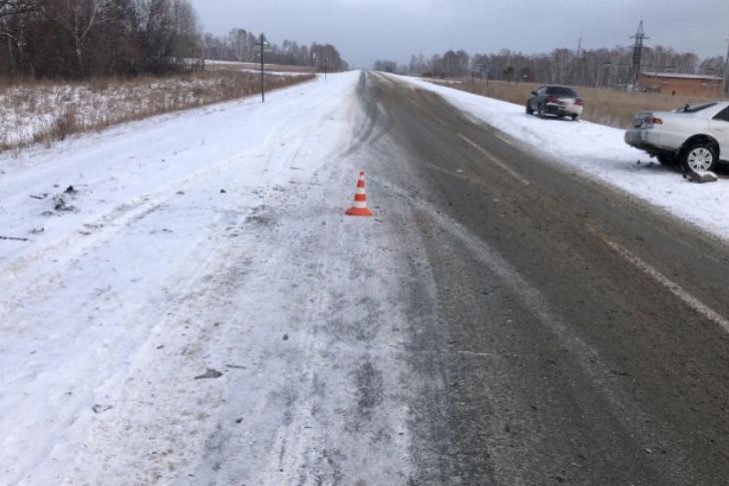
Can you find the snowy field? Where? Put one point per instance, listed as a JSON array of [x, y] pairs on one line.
[[43, 111], [600, 152], [272, 69], [174, 306]]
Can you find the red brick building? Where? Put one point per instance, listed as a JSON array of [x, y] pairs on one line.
[[681, 84]]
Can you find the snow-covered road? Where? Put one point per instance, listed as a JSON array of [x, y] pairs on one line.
[[184, 302], [214, 239]]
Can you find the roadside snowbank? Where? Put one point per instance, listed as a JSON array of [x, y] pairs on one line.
[[213, 239], [600, 152]]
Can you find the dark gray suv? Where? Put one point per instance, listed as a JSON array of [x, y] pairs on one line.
[[555, 100]]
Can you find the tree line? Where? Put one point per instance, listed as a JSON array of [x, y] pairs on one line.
[[76, 39], [608, 68], [80, 38], [240, 45]]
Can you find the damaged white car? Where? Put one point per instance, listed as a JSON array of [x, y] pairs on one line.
[[697, 137]]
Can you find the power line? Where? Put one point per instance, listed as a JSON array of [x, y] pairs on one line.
[[726, 71], [638, 52]]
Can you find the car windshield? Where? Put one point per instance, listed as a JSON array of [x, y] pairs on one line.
[[694, 109], [561, 91]]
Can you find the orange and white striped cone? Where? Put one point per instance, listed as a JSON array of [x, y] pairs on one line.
[[360, 199]]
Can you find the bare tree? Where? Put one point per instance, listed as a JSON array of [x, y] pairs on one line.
[[81, 38], [78, 18], [8, 10], [597, 67], [15, 7]]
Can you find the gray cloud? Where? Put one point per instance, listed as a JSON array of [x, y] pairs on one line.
[[366, 30]]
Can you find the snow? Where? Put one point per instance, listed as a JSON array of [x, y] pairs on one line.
[[34, 109], [682, 76], [272, 69], [601, 153], [186, 249], [283, 74]]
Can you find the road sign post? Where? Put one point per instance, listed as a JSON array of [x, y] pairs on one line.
[[263, 44]]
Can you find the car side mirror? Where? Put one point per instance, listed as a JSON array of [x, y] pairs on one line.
[[534, 93]]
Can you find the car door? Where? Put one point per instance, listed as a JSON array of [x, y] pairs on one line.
[[538, 97], [720, 129], [534, 99]]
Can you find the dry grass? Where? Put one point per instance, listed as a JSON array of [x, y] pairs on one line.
[[605, 106], [278, 68], [45, 111]]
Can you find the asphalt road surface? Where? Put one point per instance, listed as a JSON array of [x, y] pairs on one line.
[[575, 336]]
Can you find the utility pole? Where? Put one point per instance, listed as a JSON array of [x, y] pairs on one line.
[[638, 53], [578, 69], [579, 47], [485, 71], [726, 71], [481, 68], [263, 44]]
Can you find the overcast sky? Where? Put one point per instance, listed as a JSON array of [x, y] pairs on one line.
[[367, 30]]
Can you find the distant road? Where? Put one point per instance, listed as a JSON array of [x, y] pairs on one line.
[[579, 336]]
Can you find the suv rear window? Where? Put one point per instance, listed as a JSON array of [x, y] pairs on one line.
[[560, 91], [695, 109]]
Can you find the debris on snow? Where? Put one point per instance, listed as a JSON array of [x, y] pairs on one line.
[[13, 238], [60, 205], [700, 177], [209, 374], [101, 408]]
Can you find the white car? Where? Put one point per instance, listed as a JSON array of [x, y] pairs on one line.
[[697, 137]]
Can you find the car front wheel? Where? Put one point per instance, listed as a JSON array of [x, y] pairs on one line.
[[699, 157], [540, 111], [529, 109]]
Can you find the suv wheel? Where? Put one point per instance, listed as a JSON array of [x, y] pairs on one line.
[[699, 157], [529, 109], [540, 111]]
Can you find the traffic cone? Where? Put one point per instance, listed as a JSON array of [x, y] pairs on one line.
[[360, 199]]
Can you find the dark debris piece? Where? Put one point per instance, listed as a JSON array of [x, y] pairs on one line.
[[101, 408], [61, 205], [209, 374]]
